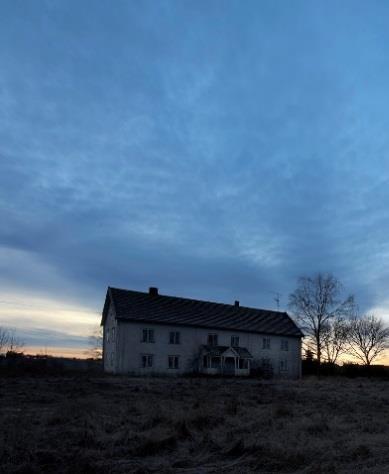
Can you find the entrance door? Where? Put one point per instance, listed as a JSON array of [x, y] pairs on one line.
[[229, 366]]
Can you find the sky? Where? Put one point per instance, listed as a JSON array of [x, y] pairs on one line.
[[214, 149]]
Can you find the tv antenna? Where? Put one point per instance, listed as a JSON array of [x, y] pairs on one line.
[[277, 299]]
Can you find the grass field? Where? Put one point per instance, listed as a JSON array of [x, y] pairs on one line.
[[123, 425]]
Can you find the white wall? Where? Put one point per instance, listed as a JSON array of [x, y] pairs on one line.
[[110, 343], [129, 348]]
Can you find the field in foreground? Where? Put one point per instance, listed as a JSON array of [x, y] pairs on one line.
[[120, 425]]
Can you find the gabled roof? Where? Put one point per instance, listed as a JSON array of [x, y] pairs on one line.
[[139, 306], [217, 351]]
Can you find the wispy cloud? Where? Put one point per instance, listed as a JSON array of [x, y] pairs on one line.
[[216, 153]]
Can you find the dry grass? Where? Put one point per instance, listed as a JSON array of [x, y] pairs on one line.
[[123, 425]]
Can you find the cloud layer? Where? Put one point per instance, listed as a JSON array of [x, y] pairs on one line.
[[214, 150]]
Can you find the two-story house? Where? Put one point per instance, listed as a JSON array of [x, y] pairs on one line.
[[149, 333]]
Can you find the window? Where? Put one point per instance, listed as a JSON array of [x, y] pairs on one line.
[[266, 363], [174, 337], [148, 335], [112, 356], [234, 341], [243, 364], [173, 362], [283, 365], [147, 360], [206, 362], [267, 367], [284, 345], [113, 334], [266, 343], [212, 339], [107, 335]]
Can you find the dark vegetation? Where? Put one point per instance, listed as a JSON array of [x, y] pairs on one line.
[[17, 363], [96, 424]]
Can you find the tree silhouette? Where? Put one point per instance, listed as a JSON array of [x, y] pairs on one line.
[[316, 303]]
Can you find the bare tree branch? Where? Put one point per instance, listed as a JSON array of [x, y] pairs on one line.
[[4, 339], [95, 350], [335, 339], [316, 303], [368, 338], [9, 341]]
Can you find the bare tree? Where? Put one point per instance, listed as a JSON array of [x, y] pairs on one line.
[[4, 338], [9, 341], [15, 344], [95, 350], [316, 302], [335, 339], [368, 338]]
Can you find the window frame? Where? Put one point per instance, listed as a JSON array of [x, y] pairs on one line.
[[266, 363], [148, 336], [266, 343], [284, 365], [284, 345], [173, 362], [211, 342], [233, 337], [176, 339], [147, 358]]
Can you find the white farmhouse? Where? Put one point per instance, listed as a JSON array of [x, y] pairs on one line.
[[149, 333]]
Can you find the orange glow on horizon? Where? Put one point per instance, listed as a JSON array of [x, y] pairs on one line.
[[70, 352]]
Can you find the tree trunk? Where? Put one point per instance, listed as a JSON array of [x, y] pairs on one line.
[[318, 355]]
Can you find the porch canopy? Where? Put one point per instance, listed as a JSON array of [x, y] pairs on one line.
[[226, 359]]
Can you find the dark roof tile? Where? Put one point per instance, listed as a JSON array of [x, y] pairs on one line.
[[138, 306]]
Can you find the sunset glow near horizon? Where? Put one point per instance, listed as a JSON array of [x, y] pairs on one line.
[[216, 150]]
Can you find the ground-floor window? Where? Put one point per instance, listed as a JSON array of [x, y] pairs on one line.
[[283, 365], [266, 363], [243, 363], [173, 362], [211, 362], [147, 360]]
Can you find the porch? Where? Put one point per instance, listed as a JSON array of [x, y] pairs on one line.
[[225, 360]]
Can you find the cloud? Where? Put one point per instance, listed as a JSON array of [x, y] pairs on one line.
[[215, 154]]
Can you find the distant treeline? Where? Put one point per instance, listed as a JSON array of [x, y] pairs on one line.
[[18, 363], [310, 367]]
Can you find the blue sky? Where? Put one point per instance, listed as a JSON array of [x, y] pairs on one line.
[[215, 149]]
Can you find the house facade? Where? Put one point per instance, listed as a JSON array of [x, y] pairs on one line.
[[149, 333]]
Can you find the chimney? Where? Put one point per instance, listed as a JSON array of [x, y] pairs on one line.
[[153, 291], [236, 303]]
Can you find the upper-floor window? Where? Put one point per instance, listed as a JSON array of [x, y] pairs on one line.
[[147, 360], [235, 341], [113, 334], [174, 337], [266, 343], [212, 339], [148, 335], [173, 362], [284, 345], [107, 335]]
